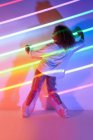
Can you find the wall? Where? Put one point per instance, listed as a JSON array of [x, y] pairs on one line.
[[19, 26]]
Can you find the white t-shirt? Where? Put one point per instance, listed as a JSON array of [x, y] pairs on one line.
[[54, 58]]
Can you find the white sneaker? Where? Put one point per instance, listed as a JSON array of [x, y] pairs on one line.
[[62, 112], [25, 111], [66, 113]]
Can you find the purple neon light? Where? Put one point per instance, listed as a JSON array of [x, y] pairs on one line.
[[38, 12], [9, 3]]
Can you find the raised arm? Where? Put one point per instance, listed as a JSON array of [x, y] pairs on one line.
[[37, 53]]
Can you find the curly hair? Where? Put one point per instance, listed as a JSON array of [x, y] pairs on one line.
[[64, 36]]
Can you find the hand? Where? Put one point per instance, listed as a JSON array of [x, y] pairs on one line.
[[80, 35], [27, 49]]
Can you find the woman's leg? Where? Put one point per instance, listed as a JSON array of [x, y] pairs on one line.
[[54, 98], [30, 102]]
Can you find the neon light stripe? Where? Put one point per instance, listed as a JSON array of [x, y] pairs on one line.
[[60, 51], [10, 3], [38, 12], [70, 71], [22, 49], [20, 67], [77, 88], [16, 86], [37, 62], [79, 68], [38, 44], [85, 49], [88, 29], [85, 30], [29, 82], [46, 25]]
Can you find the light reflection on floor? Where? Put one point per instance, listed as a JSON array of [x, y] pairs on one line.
[[46, 125]]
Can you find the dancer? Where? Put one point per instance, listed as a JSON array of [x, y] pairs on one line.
[[54, 57]]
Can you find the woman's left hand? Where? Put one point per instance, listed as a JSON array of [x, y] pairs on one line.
[[27, 49]]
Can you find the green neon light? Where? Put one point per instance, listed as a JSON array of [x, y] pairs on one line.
[[38, 44], [29, 82], [37, 62]]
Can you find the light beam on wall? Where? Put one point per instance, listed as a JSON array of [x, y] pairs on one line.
[[37, 45], [29, 82], [19, 67], [10, 3], [47, 24], [38, 12], [76, 88], [37, 62]]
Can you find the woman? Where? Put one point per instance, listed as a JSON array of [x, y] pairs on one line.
[[54, 58]]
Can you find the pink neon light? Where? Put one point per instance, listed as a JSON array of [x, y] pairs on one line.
[[39, 12], [77, 88], [9, 3]]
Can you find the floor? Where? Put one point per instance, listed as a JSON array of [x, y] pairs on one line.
[[46, 125]]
